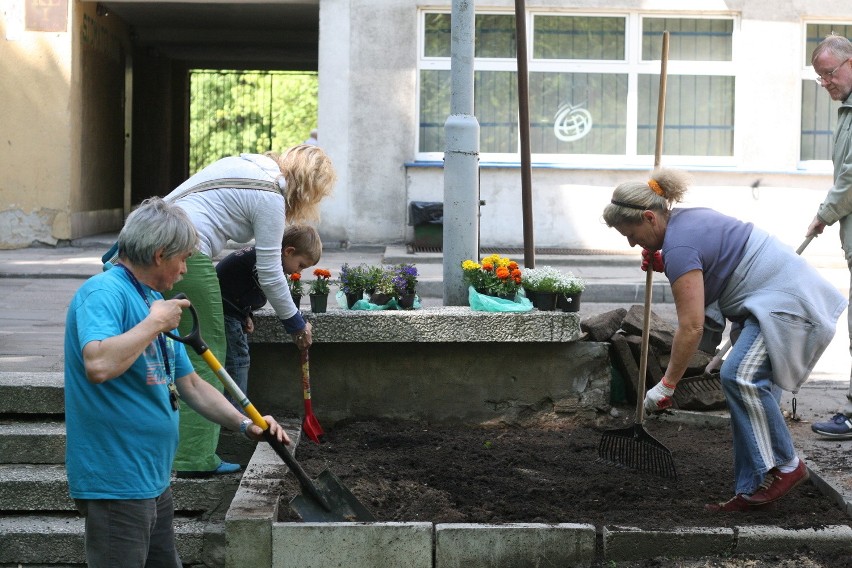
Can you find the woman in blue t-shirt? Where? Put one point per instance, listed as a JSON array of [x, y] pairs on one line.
[[757, 282]]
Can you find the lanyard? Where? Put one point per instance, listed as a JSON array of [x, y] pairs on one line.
[[161, 340]]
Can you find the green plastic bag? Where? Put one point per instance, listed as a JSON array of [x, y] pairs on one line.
[[483, 303], [363, 304]]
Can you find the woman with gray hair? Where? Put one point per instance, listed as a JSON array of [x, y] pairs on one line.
[[757, 282], [123, 376]]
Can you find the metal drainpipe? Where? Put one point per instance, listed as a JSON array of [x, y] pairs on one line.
[[461, 159]]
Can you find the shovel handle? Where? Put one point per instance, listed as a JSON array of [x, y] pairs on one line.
[[194, 340]]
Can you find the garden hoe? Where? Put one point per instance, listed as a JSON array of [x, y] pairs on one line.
[[310, 425], [323, 500], [633, 447]]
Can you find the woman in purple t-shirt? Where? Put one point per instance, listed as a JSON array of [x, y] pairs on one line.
[[712, 258]]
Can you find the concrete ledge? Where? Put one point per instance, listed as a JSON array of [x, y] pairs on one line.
[[759, 539], [248, 523], [434, 325], [630, 543], [32, 393], [354, 545], [31, 443], [517, 544]]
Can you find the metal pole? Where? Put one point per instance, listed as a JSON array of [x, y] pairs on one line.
[[461, 158], [524, 128]]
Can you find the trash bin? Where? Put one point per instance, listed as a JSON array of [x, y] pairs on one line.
[[427, 217]]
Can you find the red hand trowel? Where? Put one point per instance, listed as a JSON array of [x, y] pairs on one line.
[[310, 425]]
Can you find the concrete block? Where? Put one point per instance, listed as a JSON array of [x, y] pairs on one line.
[[603, 326], [517, 545], [248, 523], [758, 539], [661, 332], [351, 545], [630, 543]]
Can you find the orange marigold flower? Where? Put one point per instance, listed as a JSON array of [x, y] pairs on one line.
[[322, 273], [513, 265], [487, 266], [296, 276], [503, 273]]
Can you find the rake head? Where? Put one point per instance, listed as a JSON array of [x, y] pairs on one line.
[[634, 448]]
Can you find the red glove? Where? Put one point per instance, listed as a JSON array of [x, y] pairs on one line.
[[655, 259]]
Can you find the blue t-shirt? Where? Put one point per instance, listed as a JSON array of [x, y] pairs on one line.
[[121, 434], [704, 239]]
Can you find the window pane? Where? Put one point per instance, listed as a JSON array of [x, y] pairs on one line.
[[817, 32], [437, 39], [689, 39], [434, 109], [819, 119], [495, 36], [496, 109], [578, 113], [578, 37], [699, 117]]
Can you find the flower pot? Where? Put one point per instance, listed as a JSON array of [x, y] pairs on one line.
[[352, 297], [297, 299], [380, 299], [546, 301], [406, 301], [532, 296], [568, 302], [319, 303]]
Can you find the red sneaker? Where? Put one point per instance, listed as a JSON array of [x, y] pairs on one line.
[[776, 484], [737, 503]]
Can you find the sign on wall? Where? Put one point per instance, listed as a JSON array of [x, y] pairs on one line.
[[46, 16]]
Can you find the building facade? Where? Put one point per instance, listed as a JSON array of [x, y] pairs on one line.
[[96, 112]]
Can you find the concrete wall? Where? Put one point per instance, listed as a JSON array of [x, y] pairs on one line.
[[62, 157]]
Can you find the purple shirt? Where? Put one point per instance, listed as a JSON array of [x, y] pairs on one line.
[[698, 238]]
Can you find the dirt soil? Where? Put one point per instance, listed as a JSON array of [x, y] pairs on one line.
[[549, 472]]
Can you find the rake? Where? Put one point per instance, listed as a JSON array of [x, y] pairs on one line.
[[633, 447]]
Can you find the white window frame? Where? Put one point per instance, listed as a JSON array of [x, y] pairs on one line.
[[632, 65]]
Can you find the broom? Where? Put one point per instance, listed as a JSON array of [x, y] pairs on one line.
[[633, 447]]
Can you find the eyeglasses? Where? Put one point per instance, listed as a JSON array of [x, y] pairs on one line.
[[827, 77]]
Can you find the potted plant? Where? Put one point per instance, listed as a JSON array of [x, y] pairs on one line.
[[294, 283], [353, 282], [385, 288], [568, 292], [495, 276], [319, 290], [371, 280], [541, 285], [406, 284]]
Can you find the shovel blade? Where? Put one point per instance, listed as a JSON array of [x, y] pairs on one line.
[[312, 429], [343, 506], [634, 448]]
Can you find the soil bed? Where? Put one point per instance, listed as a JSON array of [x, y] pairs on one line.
[[546, 472]]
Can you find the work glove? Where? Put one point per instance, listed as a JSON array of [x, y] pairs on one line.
[[660, 397], [655, 259]]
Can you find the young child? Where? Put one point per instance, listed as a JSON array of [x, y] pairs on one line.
[[242, 294]]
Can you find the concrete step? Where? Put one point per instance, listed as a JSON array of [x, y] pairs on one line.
[[27, 442], [32, 393], [52, 540], [30, 487]]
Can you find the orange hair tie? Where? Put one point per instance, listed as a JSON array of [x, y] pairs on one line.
[[655, 187]]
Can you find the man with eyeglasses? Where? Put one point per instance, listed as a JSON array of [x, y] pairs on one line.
[[832, 61]]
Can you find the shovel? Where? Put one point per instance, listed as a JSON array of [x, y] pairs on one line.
[[633, 447], [323, 500], [310, 425]]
